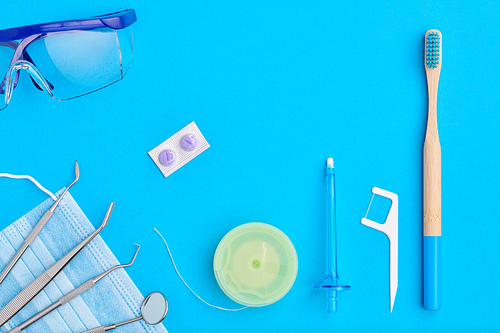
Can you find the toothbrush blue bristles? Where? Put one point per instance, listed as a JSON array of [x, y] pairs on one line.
[[432, 49]]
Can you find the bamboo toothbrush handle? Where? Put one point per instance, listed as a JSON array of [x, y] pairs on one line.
[[432, 187]]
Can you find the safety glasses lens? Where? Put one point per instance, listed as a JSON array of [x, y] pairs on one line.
[[80, 62]]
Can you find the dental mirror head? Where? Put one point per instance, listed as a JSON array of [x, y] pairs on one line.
[[154, 308]]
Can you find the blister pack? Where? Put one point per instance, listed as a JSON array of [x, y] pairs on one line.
[[179, 149]]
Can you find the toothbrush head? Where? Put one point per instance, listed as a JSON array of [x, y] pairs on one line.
[[433, 48]]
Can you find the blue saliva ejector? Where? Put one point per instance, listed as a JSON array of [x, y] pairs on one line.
[[331, 283]]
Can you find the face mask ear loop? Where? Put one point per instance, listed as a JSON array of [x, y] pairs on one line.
[[33, 180]]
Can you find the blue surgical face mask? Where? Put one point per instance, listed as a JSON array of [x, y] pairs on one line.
[[113, 299]]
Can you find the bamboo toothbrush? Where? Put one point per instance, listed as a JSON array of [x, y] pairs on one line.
[[432, 178]]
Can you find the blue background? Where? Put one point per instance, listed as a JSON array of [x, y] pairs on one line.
[[276, 88]]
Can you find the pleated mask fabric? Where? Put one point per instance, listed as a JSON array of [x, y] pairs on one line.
[[113, 299]]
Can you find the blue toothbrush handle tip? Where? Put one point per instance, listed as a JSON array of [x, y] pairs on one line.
[[432, 272]]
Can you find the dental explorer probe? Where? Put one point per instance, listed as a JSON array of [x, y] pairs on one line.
[[37, 228], [68, 297], [28, 293]]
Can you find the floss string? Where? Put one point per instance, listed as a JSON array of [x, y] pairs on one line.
[[179, 274]]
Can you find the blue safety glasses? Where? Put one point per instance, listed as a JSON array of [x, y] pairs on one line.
[[67, 59]]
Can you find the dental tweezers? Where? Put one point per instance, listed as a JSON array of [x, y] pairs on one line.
[[28, 293], [37, 228], [68, 297]]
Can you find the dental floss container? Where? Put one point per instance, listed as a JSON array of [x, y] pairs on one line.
[[255, 264]]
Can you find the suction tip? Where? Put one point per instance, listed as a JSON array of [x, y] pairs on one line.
[[329, 162]]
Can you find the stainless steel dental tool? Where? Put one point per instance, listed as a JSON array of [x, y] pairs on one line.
[[28, 293], [153, 310], [68, 297], [36, 229]]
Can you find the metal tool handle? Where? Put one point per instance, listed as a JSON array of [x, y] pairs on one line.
[[27, 242], [61, 263], [13, 261], [100, 329], [63, 300], [28, 293], [71, 295], [106, 328], [75, 292], [18, 302], [37, 228]]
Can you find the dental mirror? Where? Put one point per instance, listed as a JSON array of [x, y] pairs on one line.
[[153, 310]]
